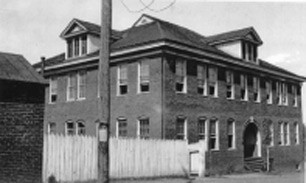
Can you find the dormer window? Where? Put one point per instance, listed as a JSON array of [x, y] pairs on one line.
[[76, 46], [249, 51]]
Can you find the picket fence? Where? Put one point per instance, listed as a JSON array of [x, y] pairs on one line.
[[134, 158], [74, 158], [70, 158]]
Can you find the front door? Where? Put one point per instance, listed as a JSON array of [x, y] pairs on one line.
[[250, 141]]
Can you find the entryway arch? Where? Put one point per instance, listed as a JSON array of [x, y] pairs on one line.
[[251, 141]]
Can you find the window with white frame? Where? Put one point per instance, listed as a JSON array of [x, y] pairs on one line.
[[249, 51], [81, 130], [213, 81], [69, 128], [269, 92], [243, 87], [51, 128], [121, 127], [82, 85], [143, 77], [202, 128], [294, 96], [296, 133], [284, 94], [214, 134], [180, 76], [281, 133], [84, 45], [76, 46], [256, 89], [53, 90], [230, 87], [144, 128], [202, 79], [271, 134], [231, 134], [286, 133], [181, 128], [122, 79], [71, 87]]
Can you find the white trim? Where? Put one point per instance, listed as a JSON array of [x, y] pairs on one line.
[[297, 133], [78, 84]]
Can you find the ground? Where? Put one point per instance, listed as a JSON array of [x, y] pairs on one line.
[[295, 177]]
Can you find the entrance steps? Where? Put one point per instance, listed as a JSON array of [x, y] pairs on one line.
[[254, 164]]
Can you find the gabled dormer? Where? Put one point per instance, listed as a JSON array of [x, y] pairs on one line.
[[241, 43], [83, 38]]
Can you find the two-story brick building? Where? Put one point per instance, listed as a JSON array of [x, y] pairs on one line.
[[169, 82]]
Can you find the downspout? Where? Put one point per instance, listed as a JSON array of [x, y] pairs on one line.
[[162, 95], [42, 66]]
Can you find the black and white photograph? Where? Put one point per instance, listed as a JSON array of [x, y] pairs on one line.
[[152, 91]]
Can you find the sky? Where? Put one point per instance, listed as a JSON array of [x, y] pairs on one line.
[[32, 27]]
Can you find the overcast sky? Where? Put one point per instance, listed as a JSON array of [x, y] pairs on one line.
[[32, 27]]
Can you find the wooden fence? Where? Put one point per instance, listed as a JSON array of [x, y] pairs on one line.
[[70, 158], [135, 158], [74, 158]]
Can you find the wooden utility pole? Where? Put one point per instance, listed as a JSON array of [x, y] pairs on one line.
[[104, 92]]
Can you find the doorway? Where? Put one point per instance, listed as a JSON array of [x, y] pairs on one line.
[[251, 141]]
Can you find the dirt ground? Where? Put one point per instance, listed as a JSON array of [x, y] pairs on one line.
[[295, 177]]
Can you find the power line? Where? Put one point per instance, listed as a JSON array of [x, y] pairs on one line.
[[140, 10], [158, 10], [147, 6]]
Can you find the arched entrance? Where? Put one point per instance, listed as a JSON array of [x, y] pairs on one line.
[[251, 141]]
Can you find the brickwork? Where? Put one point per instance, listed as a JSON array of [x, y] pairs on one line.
[[21, 140], [193, 105]]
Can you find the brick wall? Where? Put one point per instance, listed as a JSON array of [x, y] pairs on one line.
[[193, 105], [21, 142], [21, 133]]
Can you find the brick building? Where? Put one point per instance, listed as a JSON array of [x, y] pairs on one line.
[[172, 83], [21, 120]]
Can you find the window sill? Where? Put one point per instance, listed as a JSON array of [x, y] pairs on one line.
[[232, 149], [177, 92], [230, 99], [80, 99], [139, 93], [243, 100]]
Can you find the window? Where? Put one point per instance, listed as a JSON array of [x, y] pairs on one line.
[[181, 130], [214, 134], [269, 92], [231, 134], [212, 81], [243, 87], [69, 48], [76, 46], [249, 51], [121, 127], [202, 128], [230, 88], [282, 93], [71, 88], [181, 79], [53, 90], [144, 77], [70, 128], [81, 128], [201, 78], [256, 87], [144, 128], [281, 133], [81, 84], [286, 133], [51, 128], [296, 133], [122, 80], [271, 134], [84, 45], [294, 93]]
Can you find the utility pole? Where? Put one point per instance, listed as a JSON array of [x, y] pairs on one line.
[[104, 92]]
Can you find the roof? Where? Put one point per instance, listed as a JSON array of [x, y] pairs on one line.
[[160, 30], [88, 27], [235, 34], [16, 67]]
